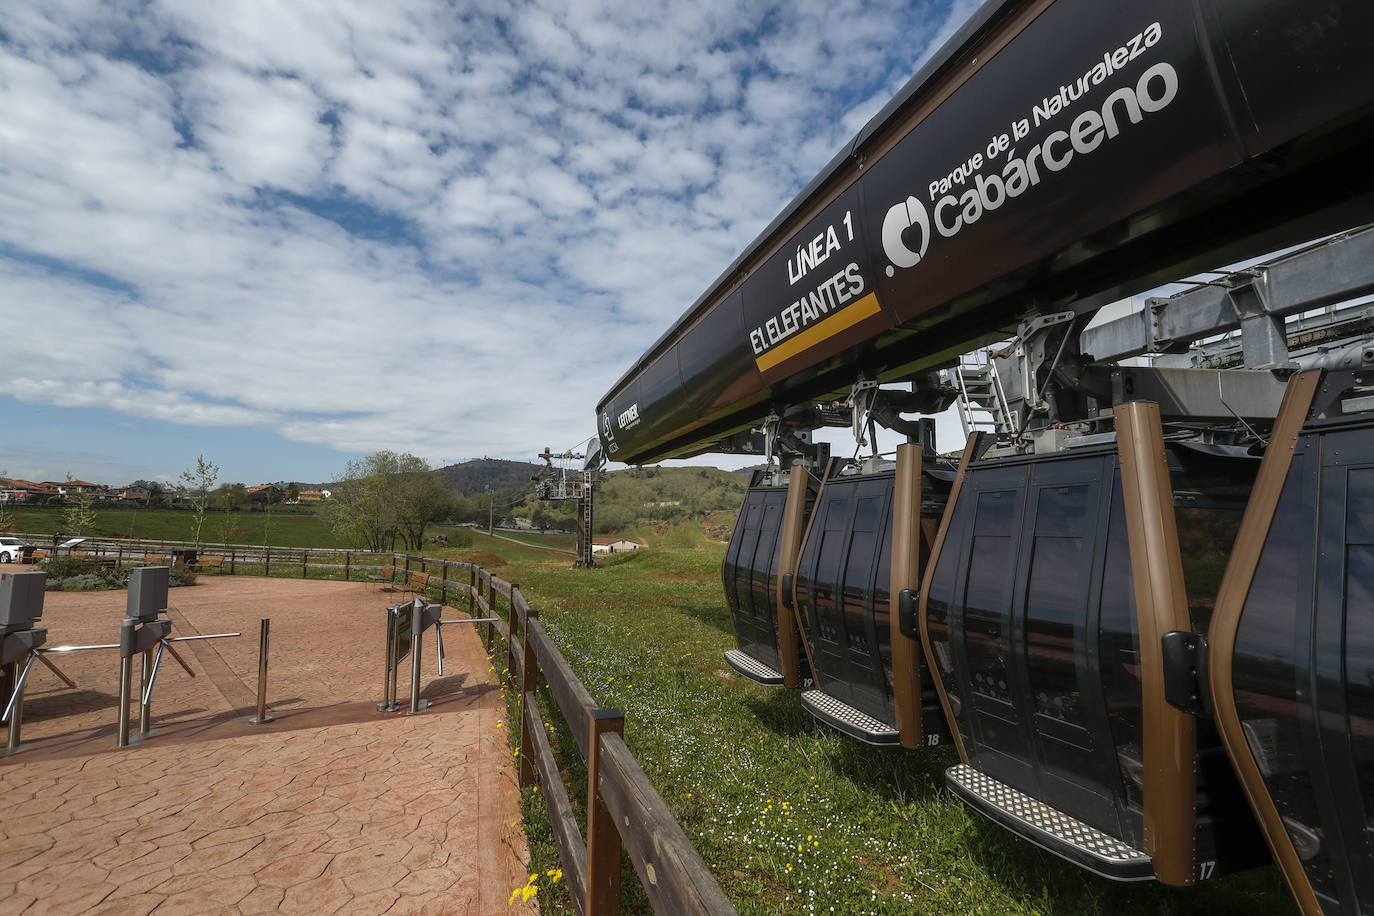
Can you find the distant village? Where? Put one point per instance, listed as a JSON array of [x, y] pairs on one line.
[[29, 492]]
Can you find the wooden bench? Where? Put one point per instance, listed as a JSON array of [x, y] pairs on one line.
[[419, 582], [214, 560], [156, 558], [388, 577]]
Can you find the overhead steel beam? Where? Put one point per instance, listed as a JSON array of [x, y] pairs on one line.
[[1257, 299]]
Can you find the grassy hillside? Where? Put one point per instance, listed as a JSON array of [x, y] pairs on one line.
[[636, 497], [790, 816], [474, 476]]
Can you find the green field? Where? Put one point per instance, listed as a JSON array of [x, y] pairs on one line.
[[791, 816], [279, 528]]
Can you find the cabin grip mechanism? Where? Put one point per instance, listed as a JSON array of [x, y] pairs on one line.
[[1185, 672]]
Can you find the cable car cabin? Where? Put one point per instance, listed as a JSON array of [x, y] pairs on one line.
[[1292, 647], [843, 593], [1045, 658], [752, 574]]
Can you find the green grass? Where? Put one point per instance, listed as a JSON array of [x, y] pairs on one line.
[[565, 542], [293, 529], [790, 816]]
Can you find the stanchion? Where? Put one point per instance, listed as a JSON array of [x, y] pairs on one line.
[[417, 629], [262, 716]]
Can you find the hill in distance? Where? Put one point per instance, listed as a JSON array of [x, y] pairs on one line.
[[476, 475]]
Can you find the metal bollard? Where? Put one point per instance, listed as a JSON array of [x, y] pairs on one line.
[[13, 683], [145, 699], [126, 677], [389, 662], [417, 610], [262, 716]]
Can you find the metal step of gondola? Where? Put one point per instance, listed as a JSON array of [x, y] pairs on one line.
[[1051, 829], [752, 668], [840, 716]]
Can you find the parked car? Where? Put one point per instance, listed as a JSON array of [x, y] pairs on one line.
[[11, 550]]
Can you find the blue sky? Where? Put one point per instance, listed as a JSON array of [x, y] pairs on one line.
[[283, 235]]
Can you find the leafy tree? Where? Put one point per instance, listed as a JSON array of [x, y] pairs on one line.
[[293, 492], [198, 481], [386, 496], [231, 495]]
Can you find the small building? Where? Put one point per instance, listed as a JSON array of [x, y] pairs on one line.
[[265, 492], [614, 545]]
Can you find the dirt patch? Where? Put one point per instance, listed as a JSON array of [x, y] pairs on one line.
[[484, 559]]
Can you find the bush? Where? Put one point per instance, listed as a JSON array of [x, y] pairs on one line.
[[84, 574], [87, 582], [67, 567]]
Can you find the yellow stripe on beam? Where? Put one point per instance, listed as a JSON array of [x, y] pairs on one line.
[[842, 320]]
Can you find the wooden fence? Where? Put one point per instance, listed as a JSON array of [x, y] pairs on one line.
[[623, 809]]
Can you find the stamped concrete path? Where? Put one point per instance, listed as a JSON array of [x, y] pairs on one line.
[[334, 807]]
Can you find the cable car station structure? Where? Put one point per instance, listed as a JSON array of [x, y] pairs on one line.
[[1140, 599]]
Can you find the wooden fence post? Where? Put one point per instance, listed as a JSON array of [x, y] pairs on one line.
[[305, 555], [348, 564], [603, 840], [443, 583], [231, 561], [529, 677]]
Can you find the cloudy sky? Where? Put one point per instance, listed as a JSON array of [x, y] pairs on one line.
[[283, 234]]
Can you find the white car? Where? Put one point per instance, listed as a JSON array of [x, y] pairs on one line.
[[11, 549]]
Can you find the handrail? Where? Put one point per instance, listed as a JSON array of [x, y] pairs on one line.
[[623, 809]]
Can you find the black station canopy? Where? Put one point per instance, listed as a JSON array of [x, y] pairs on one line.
[[1053, 154]]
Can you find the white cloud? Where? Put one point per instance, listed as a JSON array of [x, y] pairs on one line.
[[410, 224]]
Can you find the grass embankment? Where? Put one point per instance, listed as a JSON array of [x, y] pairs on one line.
[[790, 816]]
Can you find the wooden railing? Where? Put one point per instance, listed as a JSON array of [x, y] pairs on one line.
[[623, 809]]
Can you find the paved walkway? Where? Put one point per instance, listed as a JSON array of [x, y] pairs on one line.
[[332, 808]]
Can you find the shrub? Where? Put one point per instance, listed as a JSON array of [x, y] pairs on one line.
[[86, 582], [69, 566]]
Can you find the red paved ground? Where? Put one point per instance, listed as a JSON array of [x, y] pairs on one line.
[[334, 807]]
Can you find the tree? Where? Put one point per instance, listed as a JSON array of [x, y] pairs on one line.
[[77, 516], [199, 480], [293, 492], [231, 495], [386, 496]]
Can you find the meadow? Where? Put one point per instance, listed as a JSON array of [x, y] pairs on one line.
[[791, 816], [293, 527]]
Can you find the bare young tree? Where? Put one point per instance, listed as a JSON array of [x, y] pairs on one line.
[[78, 515], [199, 481]]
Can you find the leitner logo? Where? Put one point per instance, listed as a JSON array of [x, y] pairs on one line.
[[630, 417], [904, 216]]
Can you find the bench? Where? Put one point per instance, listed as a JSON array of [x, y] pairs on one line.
[[419, 582], [388, 576], [214, 560], [158, 559]]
